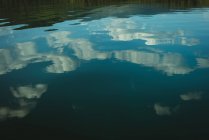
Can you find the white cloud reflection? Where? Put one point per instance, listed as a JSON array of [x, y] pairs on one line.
[[191, 96], [60, 64], [83, 49], [162, 110], [127, 29], [26, 53], [4, 31], [202, 62], [26, 97], [26, 50], [20, 56], [29, 92], [58, 40], [170, 63], [6, 112], [17, 58]]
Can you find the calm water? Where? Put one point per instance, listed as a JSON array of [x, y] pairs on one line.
[[104, 70]]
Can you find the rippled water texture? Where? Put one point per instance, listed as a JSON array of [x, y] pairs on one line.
[[104, 69]]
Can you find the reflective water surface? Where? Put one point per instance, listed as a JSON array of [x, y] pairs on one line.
[[104, 69]]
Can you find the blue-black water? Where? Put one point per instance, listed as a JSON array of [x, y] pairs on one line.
[[107, 70]]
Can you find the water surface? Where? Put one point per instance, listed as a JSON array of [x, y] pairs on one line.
[[105, 69]]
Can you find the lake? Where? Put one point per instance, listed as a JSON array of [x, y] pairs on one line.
[[104, 69]]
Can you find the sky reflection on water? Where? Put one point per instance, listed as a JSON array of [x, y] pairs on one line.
[[108, 67]]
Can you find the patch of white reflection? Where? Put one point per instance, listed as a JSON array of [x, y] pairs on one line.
[[189, 41], [202, 62], [9, 62], [29, 92], [6, 112], [83, 50], [26, 49], [26, 53], [162, 110], [17, 58], [4, 31], [60, 64], [58, 40], [26, 97], [191, 96], [128, 30], [170, 63]]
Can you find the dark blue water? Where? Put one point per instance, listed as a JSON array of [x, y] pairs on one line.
[[117, 70]]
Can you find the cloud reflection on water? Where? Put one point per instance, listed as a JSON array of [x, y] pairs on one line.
[[128, 29], [170, 63], [191, 96], [25, 53], [162, 110], [26, 99], [138, 28]]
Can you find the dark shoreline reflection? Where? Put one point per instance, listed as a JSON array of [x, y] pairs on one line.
[[39, 13]]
